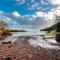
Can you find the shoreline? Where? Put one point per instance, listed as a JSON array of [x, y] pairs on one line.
[[22, 50]]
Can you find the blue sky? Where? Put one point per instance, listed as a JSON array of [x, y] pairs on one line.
[[33, 14], [25, 6]]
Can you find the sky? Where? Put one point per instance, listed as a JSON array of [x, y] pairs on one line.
[[29, 14]]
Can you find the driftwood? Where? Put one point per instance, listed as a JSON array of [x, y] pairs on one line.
[[9, 42]]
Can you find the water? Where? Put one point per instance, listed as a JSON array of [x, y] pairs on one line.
[[30, 33], [42, 43], [35, 42], [10, 38], [15, 35]]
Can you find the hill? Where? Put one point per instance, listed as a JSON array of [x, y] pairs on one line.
[[53, 27]]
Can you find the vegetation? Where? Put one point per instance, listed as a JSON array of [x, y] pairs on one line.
[[17, 31], [55, 27], [3, 24], [3, 29]]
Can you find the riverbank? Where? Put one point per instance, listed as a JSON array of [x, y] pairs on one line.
[[21, 49]]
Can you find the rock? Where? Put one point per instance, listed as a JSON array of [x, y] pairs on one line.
[[8, 58]]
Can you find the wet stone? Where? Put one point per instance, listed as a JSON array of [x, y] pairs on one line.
[[9, 46], [57, 59], [8, 58]]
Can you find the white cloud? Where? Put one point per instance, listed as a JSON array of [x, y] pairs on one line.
[[40, 14], [50, 16], [37, 5], [54, 2], [8, 20], [33, 6], [38, 20], [16, 14], [47, 16]]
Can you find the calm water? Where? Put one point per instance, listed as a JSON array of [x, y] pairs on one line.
[[30, 33]]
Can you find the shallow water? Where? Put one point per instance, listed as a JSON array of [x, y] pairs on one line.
[[35, 42], [30, 33], [11, 38], [42, 43]]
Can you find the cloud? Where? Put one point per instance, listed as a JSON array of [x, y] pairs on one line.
[[37, 5], [16, 14], [9, 21], [33, 4], [41, 5], [49, 17], [35, 21], [54, 2], [38, 20], [4, 17]]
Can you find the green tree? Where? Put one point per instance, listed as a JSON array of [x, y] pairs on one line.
[[57, 21]]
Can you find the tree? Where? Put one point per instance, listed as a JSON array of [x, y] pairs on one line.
[[56, 27], [57, 20], [3, 30], [3, 24]]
